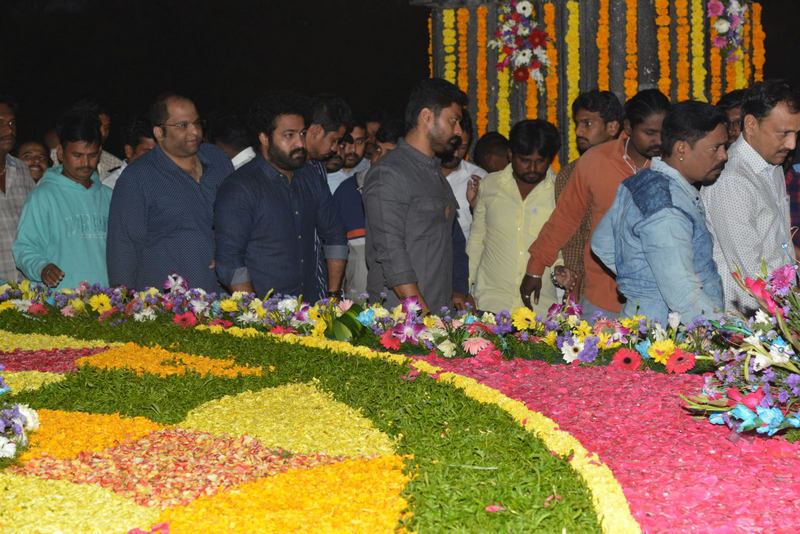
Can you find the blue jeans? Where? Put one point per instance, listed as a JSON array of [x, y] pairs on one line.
[[590, 310]]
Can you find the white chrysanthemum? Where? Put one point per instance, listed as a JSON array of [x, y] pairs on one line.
[[524, 8], [522, 58], [722, 26]]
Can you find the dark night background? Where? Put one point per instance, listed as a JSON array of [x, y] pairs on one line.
[[224, 52]]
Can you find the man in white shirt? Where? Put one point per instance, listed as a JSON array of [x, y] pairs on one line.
[[463, 176], [351, 155], [747, 207], [139, 140], [229, 133]]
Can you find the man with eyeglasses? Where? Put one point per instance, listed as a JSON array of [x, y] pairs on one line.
[[35, 156], [162, 210], [15, 184]]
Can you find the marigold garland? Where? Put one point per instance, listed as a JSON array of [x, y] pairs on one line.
[[351, 496], [573, 67], [730, 74], [631, 49], [449, 43], [747, 46], [531, 99], [462, 20], [699, 72], [503, 107], [682, 44], [715, 64], [430, 44], [663, 22], [65, 434], [61, 506], [158, 361], [315, 412], [759, 54], [551, 80], [739, 77], [603, 60], [482, 97]]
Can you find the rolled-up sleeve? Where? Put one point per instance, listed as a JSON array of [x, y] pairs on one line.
[[232, 228], [386, 203], [330, 227], [127, 230], [672, 263]]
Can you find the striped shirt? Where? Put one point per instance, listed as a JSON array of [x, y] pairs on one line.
[[18, 184]]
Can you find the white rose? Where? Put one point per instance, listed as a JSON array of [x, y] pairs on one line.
[[8, 449], [448, 348], [524, 8], [722, 26], [31, 417]]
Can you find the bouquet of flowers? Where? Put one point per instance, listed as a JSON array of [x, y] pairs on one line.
[[16, 421], [520, 43], [729, 25]]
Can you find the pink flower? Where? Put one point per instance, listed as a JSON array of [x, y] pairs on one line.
[[345, 305], [389, 341], [185, 320], [679, 362], [68, 311], [758, 288], [492, 508], [489, 356], [37, 309], [474, 345], [720, 41], [715, 8], [751, 400], [782, 279]]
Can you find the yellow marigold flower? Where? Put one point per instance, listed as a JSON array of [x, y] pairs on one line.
[[524, 319], [100, 303], [660, 351], [228, 305], [10, 341], [350, 496]]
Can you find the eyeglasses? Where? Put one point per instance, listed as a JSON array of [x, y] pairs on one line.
[[184, 125]]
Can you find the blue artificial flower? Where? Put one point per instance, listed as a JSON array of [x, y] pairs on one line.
[[717, 418], [469, 319], [772, 419], [793, 420], [366, 317], [749, 419], [642, 346]]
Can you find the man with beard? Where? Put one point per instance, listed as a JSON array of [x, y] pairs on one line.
[[598, 118], [15, 185], [655, 237], [61, 238], [162, 210], [351, 154], [267, 213], [731, 104], [410, 207], [747, 208], [593, 186], [512, 206], [35, 156], [462, 175]]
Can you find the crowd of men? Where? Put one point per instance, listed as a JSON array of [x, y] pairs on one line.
[[298, 197]]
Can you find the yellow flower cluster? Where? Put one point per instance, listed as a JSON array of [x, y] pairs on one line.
[[61, 506], [603, 59], [462, 22], [573, 67], [503, 106], [65, 434], [663, 22], [660, 351], [482, 97], [99, 303], [759, 54], [738, 69], [351, 496], [523, 319], [158, 361], [698, 51], [682, 43], [631, 49], [430, 44], [313, 414], [10, 341], [449, 44], [30, 380]]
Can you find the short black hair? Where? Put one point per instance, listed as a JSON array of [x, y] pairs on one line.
[[230, 130], [644, 104], [9, 101], [139, 128], [390, 131], [489, 143], [434, 94], [79, 124], [466, 124], [92, 103], [331, 112], [605, 103], [690, 121], [534, 135], [760, 99], [731, 100], [266, 109], [159, 114], [376, 115]]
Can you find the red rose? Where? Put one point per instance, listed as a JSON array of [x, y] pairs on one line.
[[521, 74]]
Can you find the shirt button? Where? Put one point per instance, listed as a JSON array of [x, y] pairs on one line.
[[299, 237], [297, 213]]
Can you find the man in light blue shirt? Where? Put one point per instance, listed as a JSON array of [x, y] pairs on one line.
[[654, 237]]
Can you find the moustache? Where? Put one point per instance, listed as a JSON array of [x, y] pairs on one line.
[[298, 152]]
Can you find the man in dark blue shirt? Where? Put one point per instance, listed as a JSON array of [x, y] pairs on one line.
[[161, 215], [267, 212]]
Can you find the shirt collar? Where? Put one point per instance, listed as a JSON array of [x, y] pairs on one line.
[[751, 157], [659, 165], [244, 156], [418, 156]]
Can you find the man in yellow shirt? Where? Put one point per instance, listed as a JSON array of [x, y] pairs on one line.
[[513, 204]]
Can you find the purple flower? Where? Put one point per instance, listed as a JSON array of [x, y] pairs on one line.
[[408, 332], [782, 279], [589, 352]]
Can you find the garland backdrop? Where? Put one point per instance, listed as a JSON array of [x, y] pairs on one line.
[[520, 59]]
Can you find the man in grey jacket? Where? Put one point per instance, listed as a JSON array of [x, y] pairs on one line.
[[410, 207]]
